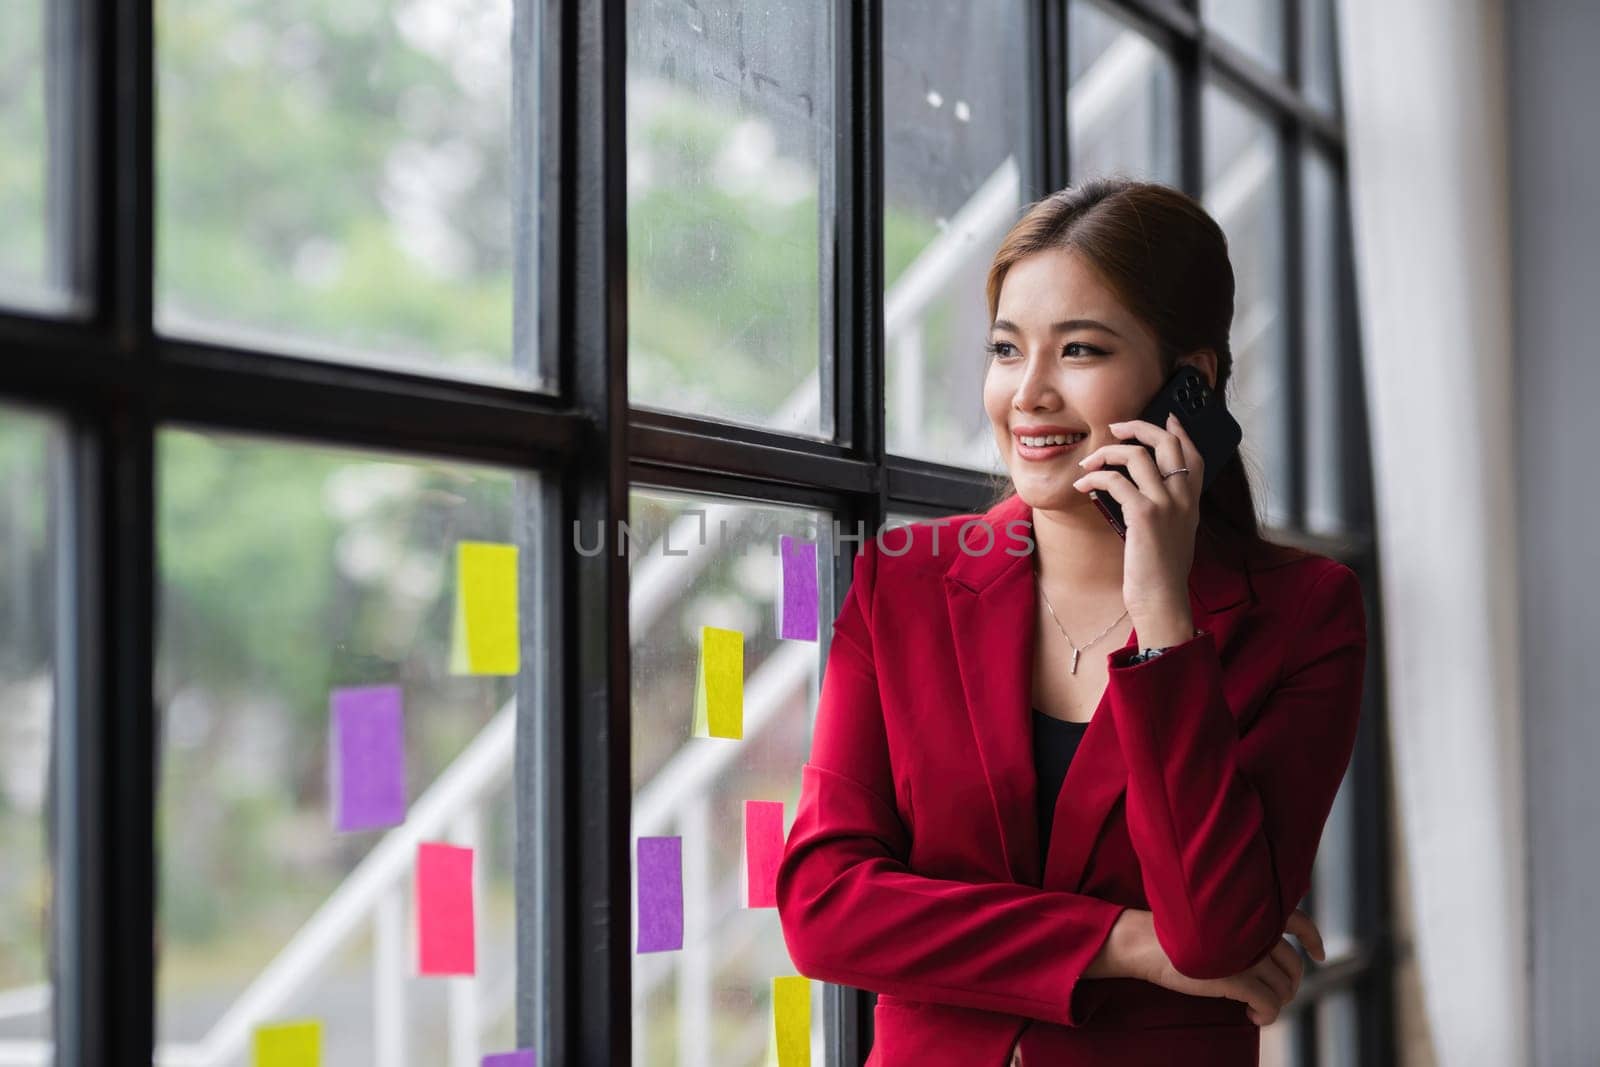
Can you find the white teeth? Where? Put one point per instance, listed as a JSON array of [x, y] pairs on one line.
[[1052, 439]]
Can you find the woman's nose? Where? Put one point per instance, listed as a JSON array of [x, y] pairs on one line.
[[1034, 388]]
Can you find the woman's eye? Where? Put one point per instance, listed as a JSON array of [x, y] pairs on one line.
[[1003, 349]]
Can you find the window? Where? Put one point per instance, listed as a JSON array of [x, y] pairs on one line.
[[338, 181], [1244, 192], [384, 280], [1332, 407], [957, 166], [30, 730], [290, 576], [698, 562], [1253, 26], [729, 123], [1122, 98], [40, 269]]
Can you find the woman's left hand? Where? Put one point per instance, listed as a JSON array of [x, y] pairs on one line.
[[1162, 515]]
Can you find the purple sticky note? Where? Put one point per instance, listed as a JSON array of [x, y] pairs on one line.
[[367, 759], [660, 868], [522, 1057], [799, 611]]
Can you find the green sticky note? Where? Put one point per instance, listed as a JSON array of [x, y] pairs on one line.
[[791, 1020], [297, 1044], [484, 636], [719, 684]]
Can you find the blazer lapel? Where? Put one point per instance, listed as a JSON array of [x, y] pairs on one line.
[[990, 596]]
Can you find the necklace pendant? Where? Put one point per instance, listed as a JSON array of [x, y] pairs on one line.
[[1075, 661]]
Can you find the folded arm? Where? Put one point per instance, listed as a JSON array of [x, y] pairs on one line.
[[1226, 825]]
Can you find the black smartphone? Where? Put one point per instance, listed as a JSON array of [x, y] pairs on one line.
[[1209, 425]]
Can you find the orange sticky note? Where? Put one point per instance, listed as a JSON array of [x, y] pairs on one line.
[[297, 1044], [445, 931], [763, 848]]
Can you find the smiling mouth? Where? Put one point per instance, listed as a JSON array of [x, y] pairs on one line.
[[1049, 440], [1058, 446]]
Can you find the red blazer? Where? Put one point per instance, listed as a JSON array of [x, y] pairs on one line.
[[1199, 792]]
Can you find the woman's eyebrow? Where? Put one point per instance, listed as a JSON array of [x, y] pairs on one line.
[[1060, 327]]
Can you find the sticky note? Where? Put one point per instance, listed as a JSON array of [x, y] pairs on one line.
[[484, 636], [791, 1020], [445, 932], [763, 848], [797, 602], [660, 874], [297, 1044], [719, 684], [366, 758], [522, 1057]]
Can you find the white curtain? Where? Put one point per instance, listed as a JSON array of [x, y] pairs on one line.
[[1424, 96]]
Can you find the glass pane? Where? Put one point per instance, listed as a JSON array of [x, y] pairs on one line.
[[1243, 191], [1333, 876], [1332, 370], [705, 562], [956, 143], [27, 735], [1122, 102], [730, 117], [1319, 54], [339, 180], [1338, 1031], [1279, 1047], [896, 519], [296, 585], [1256, 26], [33, 274]]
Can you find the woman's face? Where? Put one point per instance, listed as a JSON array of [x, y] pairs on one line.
[[1065, 357]]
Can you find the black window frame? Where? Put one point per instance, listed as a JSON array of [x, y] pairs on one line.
[[113, 383]]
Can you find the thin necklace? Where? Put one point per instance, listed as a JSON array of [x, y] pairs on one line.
[[1075, 649]]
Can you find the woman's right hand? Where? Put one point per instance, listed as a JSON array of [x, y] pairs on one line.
[[1266, 987]]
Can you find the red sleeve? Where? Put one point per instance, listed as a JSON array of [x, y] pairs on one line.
[[854, 914], [1225, 824]]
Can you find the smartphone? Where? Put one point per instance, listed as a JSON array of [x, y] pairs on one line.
[[1209, 425]]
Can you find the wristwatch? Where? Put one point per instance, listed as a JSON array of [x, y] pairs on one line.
[[1151, 653]]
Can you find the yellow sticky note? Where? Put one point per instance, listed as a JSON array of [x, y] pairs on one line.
[[791, 1019], [484, 635], [296, 1044], [719, 684]]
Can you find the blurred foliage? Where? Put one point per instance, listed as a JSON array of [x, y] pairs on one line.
[[302, 149]]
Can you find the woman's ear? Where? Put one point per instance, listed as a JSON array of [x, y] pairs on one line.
[[1203, 360]]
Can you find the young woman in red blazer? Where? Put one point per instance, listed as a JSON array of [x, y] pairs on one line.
[[1148, 927]]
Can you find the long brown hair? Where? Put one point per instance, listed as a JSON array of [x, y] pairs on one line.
[[1166, 259]]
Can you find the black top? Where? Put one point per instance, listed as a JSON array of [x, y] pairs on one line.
[[1054, 743]]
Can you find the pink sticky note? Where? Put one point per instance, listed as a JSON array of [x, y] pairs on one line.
[[798, 609], [763, 848], [445, 937]]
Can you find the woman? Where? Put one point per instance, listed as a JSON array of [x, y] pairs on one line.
[[1136, 912]]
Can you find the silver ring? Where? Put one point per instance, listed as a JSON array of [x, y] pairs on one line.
[[1180, 470]]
